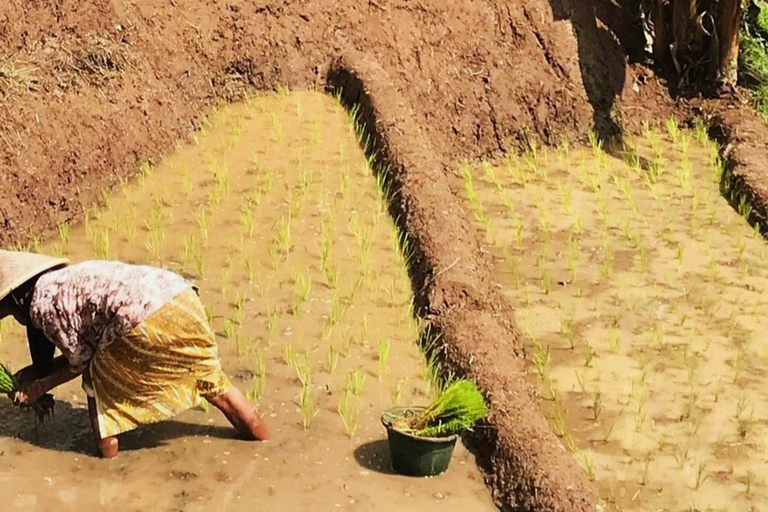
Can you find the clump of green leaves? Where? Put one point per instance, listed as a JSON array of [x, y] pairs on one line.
[[458, 407]]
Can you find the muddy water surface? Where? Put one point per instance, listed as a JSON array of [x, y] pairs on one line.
[[644, 296], [273, 211]]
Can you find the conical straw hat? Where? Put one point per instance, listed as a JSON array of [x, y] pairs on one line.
[[16, 268]]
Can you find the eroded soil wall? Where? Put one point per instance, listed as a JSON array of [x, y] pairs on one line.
[[94, 88]]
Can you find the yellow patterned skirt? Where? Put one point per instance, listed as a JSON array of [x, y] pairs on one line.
[[161, 368]]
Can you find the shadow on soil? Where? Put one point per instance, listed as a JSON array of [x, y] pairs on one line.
[[69, 430], [605, 33], [375, 456]]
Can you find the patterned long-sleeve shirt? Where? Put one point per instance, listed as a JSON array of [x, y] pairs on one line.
[[90, 304]]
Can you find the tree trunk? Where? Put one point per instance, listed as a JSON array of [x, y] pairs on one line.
[[698, 35], [661, 39], [728, 24]]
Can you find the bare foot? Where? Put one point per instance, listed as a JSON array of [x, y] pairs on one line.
[[108, 447], [241, 414]]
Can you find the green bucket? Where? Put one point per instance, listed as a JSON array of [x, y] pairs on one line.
[[412, 455]]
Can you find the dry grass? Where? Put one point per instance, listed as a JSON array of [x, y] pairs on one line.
[[15, 77], [97, 61]]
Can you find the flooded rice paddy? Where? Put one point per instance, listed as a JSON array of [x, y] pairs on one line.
[[643, 295], [274, 212]]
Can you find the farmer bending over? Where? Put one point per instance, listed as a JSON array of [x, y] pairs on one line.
[[138, 335]]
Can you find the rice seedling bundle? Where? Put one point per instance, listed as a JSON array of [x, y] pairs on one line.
[[43, 408], [458, 407], [8, 382]]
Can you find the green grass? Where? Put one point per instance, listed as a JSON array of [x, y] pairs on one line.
[[753, 58]]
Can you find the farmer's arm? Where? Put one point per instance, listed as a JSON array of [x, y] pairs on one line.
[[62, 373], [41, 350]]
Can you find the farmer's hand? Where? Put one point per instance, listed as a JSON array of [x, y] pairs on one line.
[[29, 394]]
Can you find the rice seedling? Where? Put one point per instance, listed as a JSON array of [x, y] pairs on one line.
[[101, 244], [224, 286], [331, 360], [474, 199], [347, 410], [332, 273], [673, 129], [701, 475], [247, 221], [748, 481], [589, 355], [303, 290], [241, 344], [274, 255], [355, 382], [338, 310], [308, 405], [701, 132], [744, 207], [145, 170], [595, 142], [202, 223], [362, 235], [283, 236], [541, 359], [384, 346], [250, 269], [614, 340], [34, 243], [547, 281], [642, 258], [239, 307], [259, 363], [273, 317], [215, 196], [325, 246], [199, 264], [64, 232], [258, 388], [315, 137], [305, 179], [277, 127], [156, 233], [289, 358], [303, 368], [254, 199], [188, 251], [597, 406], [229, 329]]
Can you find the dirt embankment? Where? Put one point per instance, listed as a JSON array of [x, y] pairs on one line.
[[93, 88]]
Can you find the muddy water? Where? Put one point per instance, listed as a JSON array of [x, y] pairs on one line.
[[644, 296], [274, 213]]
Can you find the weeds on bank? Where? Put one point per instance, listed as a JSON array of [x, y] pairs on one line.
[[15, 77]]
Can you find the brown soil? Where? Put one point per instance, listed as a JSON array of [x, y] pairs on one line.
[[96, 87]]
